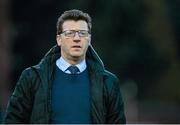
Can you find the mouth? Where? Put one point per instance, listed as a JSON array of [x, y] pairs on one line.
[[76, 46]]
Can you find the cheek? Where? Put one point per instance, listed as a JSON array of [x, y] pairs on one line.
[[64, 46], [86, 46], [64, 43], [87, 42]]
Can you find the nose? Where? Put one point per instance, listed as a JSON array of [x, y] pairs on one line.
[[76, 37]]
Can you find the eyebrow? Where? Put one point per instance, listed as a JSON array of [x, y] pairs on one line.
[[76, 29]]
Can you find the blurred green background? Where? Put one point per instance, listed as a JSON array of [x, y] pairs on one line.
[[137, 40]]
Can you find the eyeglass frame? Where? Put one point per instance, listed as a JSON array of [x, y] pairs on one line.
[[76, 31]]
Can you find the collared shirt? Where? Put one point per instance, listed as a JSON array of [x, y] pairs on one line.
[[62, 64]]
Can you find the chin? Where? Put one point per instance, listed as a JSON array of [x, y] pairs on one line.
[[76, 54]]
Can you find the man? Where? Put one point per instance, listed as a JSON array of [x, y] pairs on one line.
[[70, 84]]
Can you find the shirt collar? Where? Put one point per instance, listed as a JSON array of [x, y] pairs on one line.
[[63, 65]]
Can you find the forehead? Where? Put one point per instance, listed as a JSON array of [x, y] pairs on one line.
[[75, 25]]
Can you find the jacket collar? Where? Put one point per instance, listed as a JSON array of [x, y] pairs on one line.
[[47, 63], [91, 56]]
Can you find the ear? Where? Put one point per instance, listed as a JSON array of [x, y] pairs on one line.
[[58, 40]]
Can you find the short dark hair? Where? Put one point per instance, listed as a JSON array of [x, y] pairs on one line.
[[73, 15]]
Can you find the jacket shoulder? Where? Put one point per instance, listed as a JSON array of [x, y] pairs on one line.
[[111, 76], [111, 81], [28, 73], [28, 78]]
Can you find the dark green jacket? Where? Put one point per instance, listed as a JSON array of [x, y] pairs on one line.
[[31, 99]]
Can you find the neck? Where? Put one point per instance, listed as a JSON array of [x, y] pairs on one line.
[[73, 60]]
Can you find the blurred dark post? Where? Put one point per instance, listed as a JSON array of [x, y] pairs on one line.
[[5, 55], [159, 27]]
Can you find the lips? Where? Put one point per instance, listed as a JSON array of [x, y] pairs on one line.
[[76, 46]]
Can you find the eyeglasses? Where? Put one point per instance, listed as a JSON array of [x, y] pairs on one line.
[[72, 33]]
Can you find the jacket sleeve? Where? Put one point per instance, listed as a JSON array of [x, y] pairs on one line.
[[20, 103], [115, 104]]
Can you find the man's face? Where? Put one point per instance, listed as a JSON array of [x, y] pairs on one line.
[[74, 47]]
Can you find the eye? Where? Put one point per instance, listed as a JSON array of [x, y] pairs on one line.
[[83, 33], [69, 33]]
